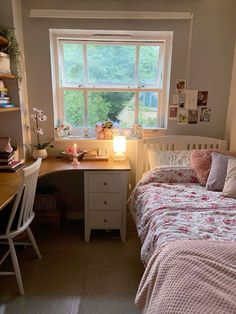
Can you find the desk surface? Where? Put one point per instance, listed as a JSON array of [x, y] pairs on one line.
[[9, 182]]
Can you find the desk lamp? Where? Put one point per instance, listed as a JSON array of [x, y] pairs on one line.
[[119, 148]]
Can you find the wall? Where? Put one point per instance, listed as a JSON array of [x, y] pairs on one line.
[[230, 133], [6, 16], [214, 30]]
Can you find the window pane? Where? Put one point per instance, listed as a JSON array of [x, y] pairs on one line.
[[73, 63], [148, 105], [111, 64], [74, 108], [126, 116], [148, 65], [115, 106]]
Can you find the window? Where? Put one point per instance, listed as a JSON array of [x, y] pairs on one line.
[[119, 77]]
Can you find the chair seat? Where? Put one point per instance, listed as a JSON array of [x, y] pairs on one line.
[[16, 231]]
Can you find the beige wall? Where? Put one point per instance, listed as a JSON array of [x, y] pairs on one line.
[[6, 15], [230, 133], [214, 29]]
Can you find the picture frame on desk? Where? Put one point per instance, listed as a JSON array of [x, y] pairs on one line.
[[101, 152]]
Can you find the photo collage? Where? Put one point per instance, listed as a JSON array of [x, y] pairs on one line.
[[189, 106]]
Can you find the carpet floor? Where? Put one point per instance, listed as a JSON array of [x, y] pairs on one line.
[[74, 277]]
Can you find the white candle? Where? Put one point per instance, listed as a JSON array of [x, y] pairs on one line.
[[75, 149]]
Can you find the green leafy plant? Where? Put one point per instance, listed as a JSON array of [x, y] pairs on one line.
[[12, 48]]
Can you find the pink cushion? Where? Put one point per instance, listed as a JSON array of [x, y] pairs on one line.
[[201, 161]]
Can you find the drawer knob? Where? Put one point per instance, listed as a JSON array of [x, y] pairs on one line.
[[105, 202], [105, 183], [105, 220]]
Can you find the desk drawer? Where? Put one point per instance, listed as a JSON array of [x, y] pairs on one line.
[[105, 201], [105, 220], [101, 182]]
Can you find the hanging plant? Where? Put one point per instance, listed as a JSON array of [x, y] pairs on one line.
[[12, 48]]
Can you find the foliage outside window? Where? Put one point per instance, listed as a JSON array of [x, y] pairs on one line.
[[121, 81]]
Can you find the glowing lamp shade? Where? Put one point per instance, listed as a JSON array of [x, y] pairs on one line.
[[119, 147]]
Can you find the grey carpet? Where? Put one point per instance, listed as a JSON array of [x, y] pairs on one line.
[[74, 277]]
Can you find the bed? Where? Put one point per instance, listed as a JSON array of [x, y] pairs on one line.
[[187, 234]]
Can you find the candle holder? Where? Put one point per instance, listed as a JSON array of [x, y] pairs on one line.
[[75, 161]]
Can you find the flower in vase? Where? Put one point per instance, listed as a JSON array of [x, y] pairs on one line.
[[38, 116]]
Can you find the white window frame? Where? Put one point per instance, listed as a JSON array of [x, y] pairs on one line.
[[163, 38]]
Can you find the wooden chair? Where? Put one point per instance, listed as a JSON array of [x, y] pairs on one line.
[[20, 218]]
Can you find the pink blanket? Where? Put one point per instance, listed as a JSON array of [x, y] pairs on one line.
[[188, 277], [188, 244], [168, 205]]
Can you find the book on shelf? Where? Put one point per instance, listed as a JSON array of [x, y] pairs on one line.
[[4, 101], [15, 166], [10, 105], [12, 165], [4, 155], [3, 91], [6, 161]]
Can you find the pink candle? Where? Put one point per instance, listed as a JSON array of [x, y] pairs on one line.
[[75, 149]]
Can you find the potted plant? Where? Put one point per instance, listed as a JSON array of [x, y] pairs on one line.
[[12, 49], [40, 148]]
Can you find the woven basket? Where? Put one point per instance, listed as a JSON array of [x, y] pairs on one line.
[[108, 134]]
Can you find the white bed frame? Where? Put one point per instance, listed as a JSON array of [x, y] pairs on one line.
[[173, 142]]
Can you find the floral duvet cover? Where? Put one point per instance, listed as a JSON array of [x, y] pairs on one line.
[[169, 204]]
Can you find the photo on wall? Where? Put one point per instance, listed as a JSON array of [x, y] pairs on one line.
[[182, 98], [193, 116], [175, 99], [180, 86], [191, 99], [202, 98], [182, 116], [173, 112], [205, 115]]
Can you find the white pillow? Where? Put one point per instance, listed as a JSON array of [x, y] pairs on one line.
[[168, 158], [230, 181]]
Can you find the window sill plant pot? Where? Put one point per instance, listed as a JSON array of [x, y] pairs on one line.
[[40, 153]]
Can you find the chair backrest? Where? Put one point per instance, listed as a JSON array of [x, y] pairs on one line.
[[24, 200]]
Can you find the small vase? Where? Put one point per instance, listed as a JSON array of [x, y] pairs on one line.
[[39, 153]]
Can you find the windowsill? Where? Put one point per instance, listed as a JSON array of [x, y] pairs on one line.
[[149, 133]]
